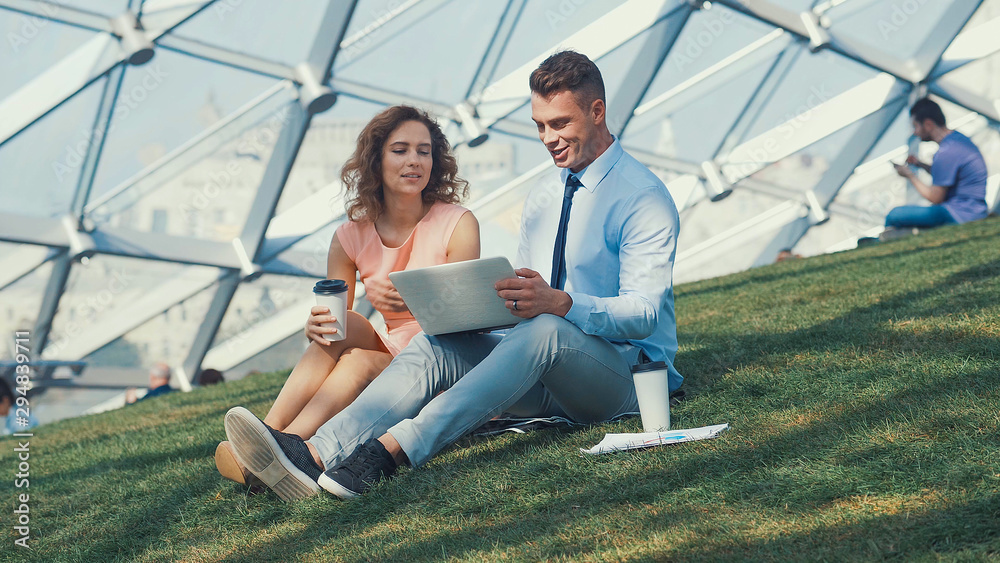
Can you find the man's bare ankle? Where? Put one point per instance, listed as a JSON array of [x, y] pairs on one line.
[[394, 449], [315, 454]]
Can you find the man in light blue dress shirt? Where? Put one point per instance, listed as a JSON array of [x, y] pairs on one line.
[[571, 357]]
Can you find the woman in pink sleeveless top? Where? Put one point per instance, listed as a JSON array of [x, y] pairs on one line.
[[403, 188]]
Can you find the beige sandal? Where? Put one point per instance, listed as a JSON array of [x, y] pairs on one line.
[[231, 468]]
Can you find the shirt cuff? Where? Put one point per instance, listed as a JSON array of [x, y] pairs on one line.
[[580, 310]]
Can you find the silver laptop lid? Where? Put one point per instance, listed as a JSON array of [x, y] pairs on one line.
[[457, 297]]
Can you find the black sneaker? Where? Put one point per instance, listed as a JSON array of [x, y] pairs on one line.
[[281, 461], [369, 464]]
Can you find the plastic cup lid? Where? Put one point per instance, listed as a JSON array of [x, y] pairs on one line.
[[329, 287], [650, 366]]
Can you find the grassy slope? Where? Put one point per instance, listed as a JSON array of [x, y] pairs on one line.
[[862, 390]]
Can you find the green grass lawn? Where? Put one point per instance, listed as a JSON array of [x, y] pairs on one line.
[[862, 390]]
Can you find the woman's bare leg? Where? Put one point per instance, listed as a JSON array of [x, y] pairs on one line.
[[315, 366], [354, 371]]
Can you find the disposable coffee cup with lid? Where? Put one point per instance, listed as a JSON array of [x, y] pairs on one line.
[[652, 390], [332, 294]]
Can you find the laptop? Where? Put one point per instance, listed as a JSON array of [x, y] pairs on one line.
[[457, 297]]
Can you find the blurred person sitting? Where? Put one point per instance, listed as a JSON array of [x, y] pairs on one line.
[[786, 254], [958, 176], [403, 192], [210, 377], [14, 421], [159, 384]]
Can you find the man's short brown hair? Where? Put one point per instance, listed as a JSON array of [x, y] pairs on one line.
[[569, 71]]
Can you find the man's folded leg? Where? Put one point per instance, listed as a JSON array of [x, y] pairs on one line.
[[586, 377], [426, 367]]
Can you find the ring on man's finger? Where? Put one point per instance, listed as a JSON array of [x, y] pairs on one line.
[[515, 305]]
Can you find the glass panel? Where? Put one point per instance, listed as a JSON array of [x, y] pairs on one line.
[[108, 285], [36, 44], [19, 304], [802, 170], [42, 164], [405, 60], [707, 38], [543, 24], [695, 132], [259, 27], [282, 356], [898, 28], [738, 252], [104, 7], [164, 104], [210, 199], [167, 337], [812, 80], [229, 161], [258, 300]]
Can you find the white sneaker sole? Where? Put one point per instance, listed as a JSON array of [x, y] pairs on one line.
[[335, 488], [259, 452]]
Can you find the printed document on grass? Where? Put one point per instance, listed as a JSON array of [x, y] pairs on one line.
[[621, 442]]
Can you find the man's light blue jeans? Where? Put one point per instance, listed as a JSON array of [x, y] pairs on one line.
[[440, 388], [921, 217]]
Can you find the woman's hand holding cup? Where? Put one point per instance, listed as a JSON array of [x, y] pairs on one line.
[[314, 325]]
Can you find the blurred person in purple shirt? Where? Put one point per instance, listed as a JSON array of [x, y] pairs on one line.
[[958, 175]]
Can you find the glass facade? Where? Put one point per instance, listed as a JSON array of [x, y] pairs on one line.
[[170, 171]]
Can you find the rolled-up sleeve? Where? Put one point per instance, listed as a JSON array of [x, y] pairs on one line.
[[648, 226]]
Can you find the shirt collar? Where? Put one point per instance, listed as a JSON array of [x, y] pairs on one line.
[[593, 174]]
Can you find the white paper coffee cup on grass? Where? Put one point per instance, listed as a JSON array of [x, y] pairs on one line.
[[652, 389], [332, 294]]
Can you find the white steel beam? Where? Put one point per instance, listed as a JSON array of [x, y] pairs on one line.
[[644, 68], [947, 28], [987, 107], [825, 119], [970, 46], [223, 56], [50, 301], [389, 98], [76, 71]]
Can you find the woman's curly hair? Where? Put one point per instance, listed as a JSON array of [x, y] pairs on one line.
[[362, 173]]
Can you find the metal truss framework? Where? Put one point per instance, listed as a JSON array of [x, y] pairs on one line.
[[489, 105]]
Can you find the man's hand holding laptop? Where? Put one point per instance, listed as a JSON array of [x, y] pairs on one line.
[[529, 295]]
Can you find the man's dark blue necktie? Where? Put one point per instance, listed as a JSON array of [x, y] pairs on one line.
[[559, 252]]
